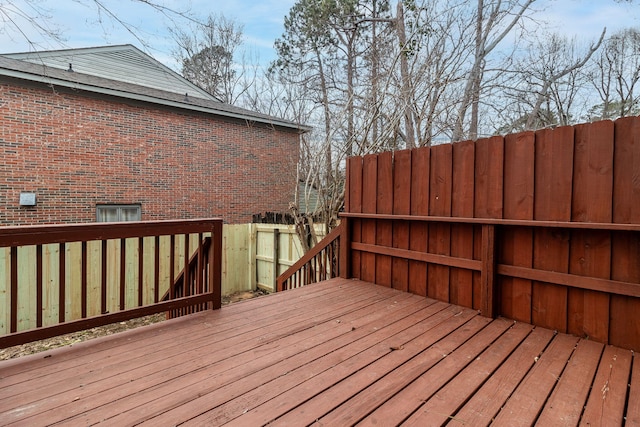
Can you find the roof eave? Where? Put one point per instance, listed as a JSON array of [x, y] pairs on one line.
[[53, 81]]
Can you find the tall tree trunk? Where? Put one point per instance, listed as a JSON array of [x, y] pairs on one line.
[[327, 121], [351, 60], [483, 47], [477, 74], [404, 74], [471, 95], [374, 74]]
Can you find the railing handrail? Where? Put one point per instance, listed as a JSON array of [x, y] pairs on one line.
[[67, 233], [311, 253], [611, 226]]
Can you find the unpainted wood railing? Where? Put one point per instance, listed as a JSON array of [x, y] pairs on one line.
[[81, 257], [320, 263]]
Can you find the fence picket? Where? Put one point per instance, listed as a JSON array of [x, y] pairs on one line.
[[419, 232], [517, 247], [462, 198], [441, 181], [369, 194], [384, 205], [401, 206]]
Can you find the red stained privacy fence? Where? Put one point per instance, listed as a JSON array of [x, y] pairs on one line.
[[541, 227]]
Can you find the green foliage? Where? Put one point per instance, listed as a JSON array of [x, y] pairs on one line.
[[203, 68], [206, 53], [314, 28]]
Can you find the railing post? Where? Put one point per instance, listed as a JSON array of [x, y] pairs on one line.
[[344, 248], [83, 281], [488, 272], [215, 265]]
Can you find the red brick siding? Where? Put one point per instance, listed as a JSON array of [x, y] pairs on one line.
[[75, 151]]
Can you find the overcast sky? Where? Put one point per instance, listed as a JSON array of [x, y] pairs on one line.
[[262, 20]]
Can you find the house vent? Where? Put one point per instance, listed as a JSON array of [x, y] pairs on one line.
[[27, 199]]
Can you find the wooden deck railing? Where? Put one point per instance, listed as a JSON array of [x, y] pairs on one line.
[[321, 262], [190, 281], [113, 271]]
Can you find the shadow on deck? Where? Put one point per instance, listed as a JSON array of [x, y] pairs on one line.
[[340, 352]]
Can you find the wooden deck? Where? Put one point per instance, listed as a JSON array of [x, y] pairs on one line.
[[340, 352]]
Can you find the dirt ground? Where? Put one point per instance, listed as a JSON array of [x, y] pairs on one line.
[[76, 337]]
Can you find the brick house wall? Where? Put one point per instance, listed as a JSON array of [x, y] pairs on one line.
[[76, 150]]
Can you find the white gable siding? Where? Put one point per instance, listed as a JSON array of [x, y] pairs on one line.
[[122, 63]]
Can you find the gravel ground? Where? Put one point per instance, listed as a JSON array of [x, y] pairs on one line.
[[76, 337]]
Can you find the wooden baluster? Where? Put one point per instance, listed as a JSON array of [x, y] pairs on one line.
[[83, 280], [186, 282], [39, 289], [172, 270], [62, 250], [14, 289], [330, 251], [156, 270], [199, 266], [103, 279], [210, 263], [140, 271], [123, 265]]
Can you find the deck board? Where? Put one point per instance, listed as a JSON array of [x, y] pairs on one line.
[[364, 390], [402, 405], [165, 355], [341, 352], [633, 410], [486, 403], [566, 403], [437, 410], [607, 406]]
